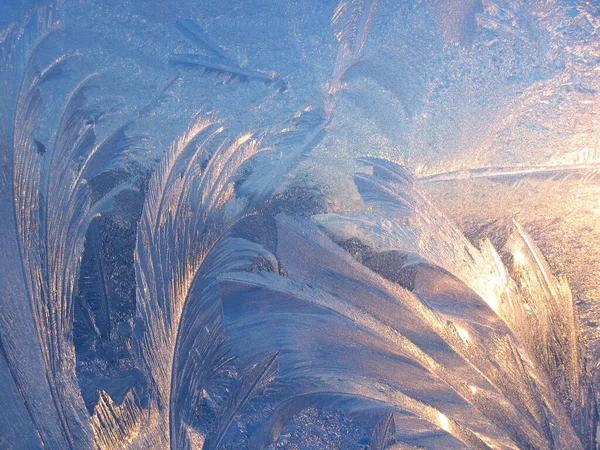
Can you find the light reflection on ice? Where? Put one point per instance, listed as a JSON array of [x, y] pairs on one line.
[[285, 284]]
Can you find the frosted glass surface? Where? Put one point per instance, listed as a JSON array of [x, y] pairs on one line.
[[247, 224]]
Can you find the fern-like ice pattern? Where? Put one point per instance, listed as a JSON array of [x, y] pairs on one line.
[[268, 308]]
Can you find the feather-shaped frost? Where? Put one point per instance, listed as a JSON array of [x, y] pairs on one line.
[[47, 208], [218, 61], [390, 317], [439, 356], [252, 380], [350, 24], [190, 205], [384, 433], [404, 220], [292, 144], [473, 385]]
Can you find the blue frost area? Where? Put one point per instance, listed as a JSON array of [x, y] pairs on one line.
[[354, 224]]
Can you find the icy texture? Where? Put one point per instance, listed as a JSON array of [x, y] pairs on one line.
[[46, 211], [276, 297]]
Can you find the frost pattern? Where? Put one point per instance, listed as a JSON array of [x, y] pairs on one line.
[[46, 211], [262, 300]]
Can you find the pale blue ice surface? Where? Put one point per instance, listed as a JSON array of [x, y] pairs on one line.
[[292, 224]]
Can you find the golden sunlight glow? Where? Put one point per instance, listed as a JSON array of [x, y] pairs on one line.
[[443, 421], [464, 335], [519, 258], [243, 139]]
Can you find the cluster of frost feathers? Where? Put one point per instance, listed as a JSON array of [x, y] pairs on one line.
[[267, 316]]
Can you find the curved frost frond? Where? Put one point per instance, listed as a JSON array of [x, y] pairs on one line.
[[33, 320], [550, 329], [364, 336], [379, 342], [406, 220], [350, 23], [417, 341], [189, 207], [47, 208], [218, 61], [536, 307], [252, 380], [384, 433], [116, 426], [201, 353], [288, 147]]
